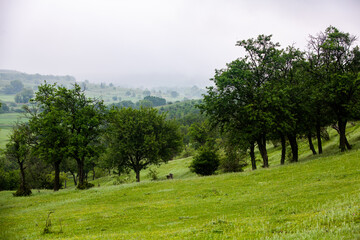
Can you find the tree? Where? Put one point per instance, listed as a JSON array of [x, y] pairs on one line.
[[68, 126], [50, 127], [263, 61], [174, 94], [24, 96], [14, 87], [4, 107], [19, 150], [146, 93], [84, 119], [156, 101], [231, 104], [336, 65], [139, 138]]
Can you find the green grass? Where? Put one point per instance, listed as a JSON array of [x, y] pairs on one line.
[[7, 120], [317, 198]]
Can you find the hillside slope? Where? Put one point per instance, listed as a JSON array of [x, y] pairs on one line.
[[313, 199]]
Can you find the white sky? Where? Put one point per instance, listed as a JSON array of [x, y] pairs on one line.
[[157, 42]]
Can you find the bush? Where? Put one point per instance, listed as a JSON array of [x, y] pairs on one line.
[[50, 180], [84, 186], [25, 191], [9, 180], [206, 162], [153, 174], [233, 161]]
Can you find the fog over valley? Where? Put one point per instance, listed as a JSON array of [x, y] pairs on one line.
[[153, 43]]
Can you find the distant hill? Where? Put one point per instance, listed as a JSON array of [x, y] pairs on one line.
[[7, 76]]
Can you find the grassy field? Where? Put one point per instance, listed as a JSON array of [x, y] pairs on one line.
[[317, 198], [7, 120]]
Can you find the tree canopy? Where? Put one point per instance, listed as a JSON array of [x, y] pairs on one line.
[[139, 138]]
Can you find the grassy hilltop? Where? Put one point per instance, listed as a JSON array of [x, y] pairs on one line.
[[317, 198]]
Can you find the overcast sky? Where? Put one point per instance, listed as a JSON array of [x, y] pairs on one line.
[[157, 42]]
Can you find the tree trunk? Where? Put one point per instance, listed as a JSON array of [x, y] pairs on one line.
[[81, 173], [22, 174], [294, 147], [347, 143], [137, 175], [262, 148], [283, 149], [311, 145], [93, 173], [252, 155], [342, 133], [318, 136], [57, 176], [74, 177]]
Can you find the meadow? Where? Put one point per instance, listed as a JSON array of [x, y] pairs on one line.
[[7, 120], [317, 198]]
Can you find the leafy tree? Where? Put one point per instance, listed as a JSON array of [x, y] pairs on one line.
[[125, 103], [68, 126], [336, 65], [4, 108], [174, 94], [146, 93], [156, 101], [14, 87], [84, 119], [24, 96], [50, 127], [144, 103], [18, 150], [139, 138], [201, 133]]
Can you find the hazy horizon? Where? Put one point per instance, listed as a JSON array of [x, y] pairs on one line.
[[153, 43]]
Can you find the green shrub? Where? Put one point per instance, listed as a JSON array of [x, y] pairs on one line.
[[153, 174], [206, 162], [9, 180], [25, 191], [84, 186]]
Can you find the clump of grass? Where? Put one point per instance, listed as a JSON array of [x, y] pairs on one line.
[[47, 228]]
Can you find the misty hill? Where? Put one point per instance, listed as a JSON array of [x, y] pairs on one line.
[[110, 93], [6, 76]]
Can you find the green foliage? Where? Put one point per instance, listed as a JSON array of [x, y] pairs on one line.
[[18, 150], [22, 192], [15, 86], [146, 93], [84, 185], [201, 133], [206, 162], [139, 138], [24, 96], [156, 101], [68, 125], [174, 94], [153, 174], [50, 180], [4, 108], [9, 179], [334, 64]]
